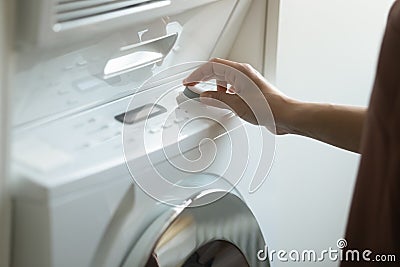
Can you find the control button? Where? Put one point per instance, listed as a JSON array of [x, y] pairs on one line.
[[176, 48], [100, 129], [104, 127], [108, 138], [179, 119], [81, 63], [88, 84], [68, 67], [63, 92], [114, 125], [86, 145], [167, 125], [79, 125], [131, 140], [192, 92], [154, 129], [53, 83], [72, 102]]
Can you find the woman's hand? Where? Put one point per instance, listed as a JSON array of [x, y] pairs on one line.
[[244, 81]]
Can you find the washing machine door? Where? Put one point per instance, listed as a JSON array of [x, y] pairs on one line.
[[204, 233]]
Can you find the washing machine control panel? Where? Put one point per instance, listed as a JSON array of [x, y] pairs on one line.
[[152, 119]]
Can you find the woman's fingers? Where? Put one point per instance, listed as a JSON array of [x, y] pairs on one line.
[[221, 86], [231, 102], [214, 69], [219, 99]]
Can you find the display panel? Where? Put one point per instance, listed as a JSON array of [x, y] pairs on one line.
[[141, 113]]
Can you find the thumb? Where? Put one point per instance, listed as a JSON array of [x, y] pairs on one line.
[[220, 99]]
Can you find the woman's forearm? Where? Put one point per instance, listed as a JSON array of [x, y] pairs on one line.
[[340, 126], [337, 125]]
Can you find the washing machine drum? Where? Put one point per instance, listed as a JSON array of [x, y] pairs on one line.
[[205, 233]]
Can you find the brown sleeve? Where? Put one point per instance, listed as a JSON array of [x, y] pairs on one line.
[[374, 221]]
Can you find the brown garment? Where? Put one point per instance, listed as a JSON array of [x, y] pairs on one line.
[[374, 221]]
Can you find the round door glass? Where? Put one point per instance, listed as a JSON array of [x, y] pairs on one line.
[[217, 253]]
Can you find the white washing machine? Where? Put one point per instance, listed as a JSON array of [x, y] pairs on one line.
[[93, 187]]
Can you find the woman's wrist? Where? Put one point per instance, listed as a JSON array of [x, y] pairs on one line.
[[302, 117], [287, 116]]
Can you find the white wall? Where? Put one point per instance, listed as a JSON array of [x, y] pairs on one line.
[[327, 52]]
